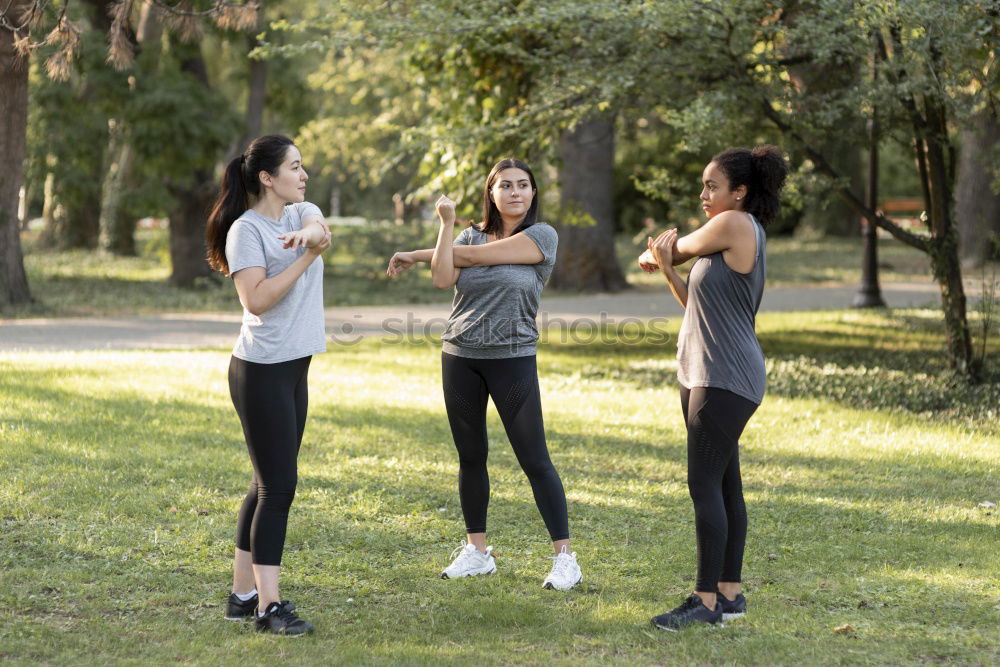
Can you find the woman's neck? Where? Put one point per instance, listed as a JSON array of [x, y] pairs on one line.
[[270, 207], [509, 225]]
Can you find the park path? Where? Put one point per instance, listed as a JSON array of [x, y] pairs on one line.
[[347, 324]]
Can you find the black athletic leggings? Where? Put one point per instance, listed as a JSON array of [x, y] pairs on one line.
[[715, 420], [513, 385], [271, 400]]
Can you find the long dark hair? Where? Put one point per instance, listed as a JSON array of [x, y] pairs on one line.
[[492, 222], [763, 171], [239, 182]]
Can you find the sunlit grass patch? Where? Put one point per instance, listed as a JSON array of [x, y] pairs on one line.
[[123, 472]]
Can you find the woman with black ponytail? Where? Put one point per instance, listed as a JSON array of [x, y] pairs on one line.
[[720, 363], [265, 235]]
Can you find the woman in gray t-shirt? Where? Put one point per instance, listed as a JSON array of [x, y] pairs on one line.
[[498, 269], [720, 363], [272, 251]]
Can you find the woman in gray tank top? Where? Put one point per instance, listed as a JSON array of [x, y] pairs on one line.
[[720, 363]]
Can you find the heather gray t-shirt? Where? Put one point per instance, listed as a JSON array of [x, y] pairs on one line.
[[717, 345], [293, 327], [493, 314]]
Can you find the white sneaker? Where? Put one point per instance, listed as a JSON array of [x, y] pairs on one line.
[[469, 562], [565, 572]]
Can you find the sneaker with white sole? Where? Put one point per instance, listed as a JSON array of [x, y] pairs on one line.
[[469, 562], [691, 612], [565, 572], [732, 609]]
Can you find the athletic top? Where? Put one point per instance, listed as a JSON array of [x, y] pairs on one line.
[[717, 346], [493, 314], [293, 327]]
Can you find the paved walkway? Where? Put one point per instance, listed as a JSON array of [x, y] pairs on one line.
[[347, 324]]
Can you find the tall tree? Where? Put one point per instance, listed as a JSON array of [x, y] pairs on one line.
[[14, 23], [20, 22], [977, 204], [486, 73], [587, 243]]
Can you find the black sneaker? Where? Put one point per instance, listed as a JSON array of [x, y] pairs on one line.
[[238, 610], [732, 608], [279, 618], [690, 612]]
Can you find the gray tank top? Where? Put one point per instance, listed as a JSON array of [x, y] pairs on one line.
[[717, 346]]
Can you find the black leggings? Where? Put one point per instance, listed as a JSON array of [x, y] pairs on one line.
[[715, 420], [513, 385], [271, 400]]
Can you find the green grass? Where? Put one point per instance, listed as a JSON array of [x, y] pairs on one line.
[[83, 283], [863, 470]]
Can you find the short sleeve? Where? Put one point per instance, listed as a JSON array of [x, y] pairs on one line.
[[305, 209], [244, 247], [546, 239], [465, 238]]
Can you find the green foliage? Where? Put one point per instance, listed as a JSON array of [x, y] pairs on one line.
[[176, 124], [68, 125], [511, 78]]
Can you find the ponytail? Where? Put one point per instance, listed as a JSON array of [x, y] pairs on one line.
[[233, 200], [763, 171], [239, 183]]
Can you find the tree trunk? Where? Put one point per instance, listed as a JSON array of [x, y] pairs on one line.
[[977, 207], [586, 258], [193, 199], [13, 147], [256, 98], [117, 233], [187, 230], [74, 227], [945, 265], [117, 226], [944, 244]]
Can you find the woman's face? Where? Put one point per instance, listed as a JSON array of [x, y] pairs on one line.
[[716, 196], [512, 193], [289, 183]]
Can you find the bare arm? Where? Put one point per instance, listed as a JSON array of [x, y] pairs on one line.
[[443, 271], [662, 253], [314, 231], [717, 235], [258, 293], [517, 249]]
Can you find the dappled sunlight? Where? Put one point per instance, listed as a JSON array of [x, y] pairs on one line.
[[124, 473]]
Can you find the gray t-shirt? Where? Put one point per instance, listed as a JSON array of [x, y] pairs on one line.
[[293, 327], [493, 314], [717, 345]]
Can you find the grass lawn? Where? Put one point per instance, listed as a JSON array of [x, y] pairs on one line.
[[864, 472], [81, 283]]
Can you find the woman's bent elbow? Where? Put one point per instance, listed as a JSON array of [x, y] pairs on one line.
[[257, 309]]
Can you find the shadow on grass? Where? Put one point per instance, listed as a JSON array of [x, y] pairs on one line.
[[373, 481]]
